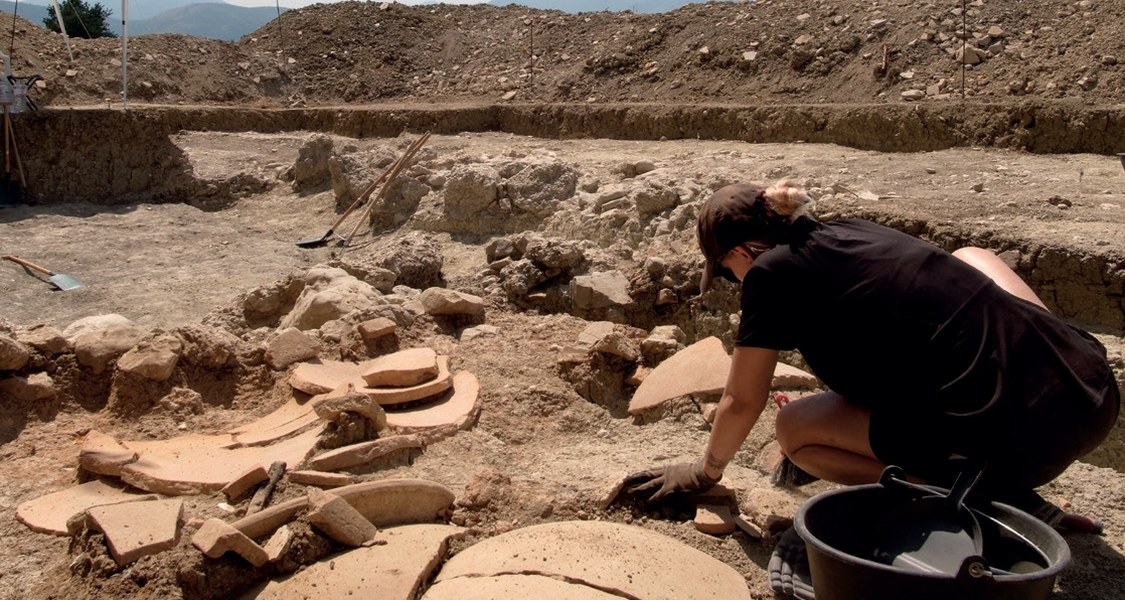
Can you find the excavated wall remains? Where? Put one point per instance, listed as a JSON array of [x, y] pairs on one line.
[[67, 157]]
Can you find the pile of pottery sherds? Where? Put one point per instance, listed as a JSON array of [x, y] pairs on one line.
[[395, 528]]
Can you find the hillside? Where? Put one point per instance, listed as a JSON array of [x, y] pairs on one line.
[[363, 52], [214, 20]]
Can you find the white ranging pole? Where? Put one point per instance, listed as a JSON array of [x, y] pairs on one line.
[[62, 28], [124, 54]]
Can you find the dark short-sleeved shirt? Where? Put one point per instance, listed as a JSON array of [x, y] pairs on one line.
[[898, 325]]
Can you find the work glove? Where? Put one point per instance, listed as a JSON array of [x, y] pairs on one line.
[[654, 484]]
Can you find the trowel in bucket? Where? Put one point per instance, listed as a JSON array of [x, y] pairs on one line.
[[59, 280]]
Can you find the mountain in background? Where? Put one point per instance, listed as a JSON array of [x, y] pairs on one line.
[[26, 10], [214, 20], [221, 21]]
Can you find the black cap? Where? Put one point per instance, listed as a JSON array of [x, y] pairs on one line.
[[732, 215]]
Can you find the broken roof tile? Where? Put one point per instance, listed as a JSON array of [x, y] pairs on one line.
[[391, 571], [216, 537], [401, 369], [49, 514], [200, 463], [513, 586], [364, 452], [449, 410], [385, 502], [700, 368], [338, 519], [137, 529], [589, 552], [102, 454]]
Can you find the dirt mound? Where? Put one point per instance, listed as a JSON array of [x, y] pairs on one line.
[[848, 52]]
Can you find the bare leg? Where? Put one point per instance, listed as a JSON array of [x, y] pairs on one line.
[[827, 436], [988, 263]]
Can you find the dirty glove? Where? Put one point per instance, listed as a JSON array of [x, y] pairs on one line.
[[654, 484]]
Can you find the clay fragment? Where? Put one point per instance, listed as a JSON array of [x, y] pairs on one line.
[[321, 479], [215, 538], [103, 455], [714, 519], [137, 529], [279, 543], [363, 452], [347, 399], [50, 513], [401, 369], [245, 482], [386, 502], [338, 519]]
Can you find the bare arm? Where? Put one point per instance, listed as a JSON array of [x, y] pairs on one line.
[[745, 396]]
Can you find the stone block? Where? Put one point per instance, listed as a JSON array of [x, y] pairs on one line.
[[290, 346], [13, 356], [97, 349], [34, 387], [443, 301], [152, 359], [374, 329]]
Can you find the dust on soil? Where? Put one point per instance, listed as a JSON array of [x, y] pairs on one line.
[[540, 451]]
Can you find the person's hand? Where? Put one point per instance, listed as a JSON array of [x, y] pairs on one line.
[[652, 485]]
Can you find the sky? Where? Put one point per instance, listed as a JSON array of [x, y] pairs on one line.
[[300, 3]]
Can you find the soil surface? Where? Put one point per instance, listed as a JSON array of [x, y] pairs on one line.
[[543, 449], [764, 52]]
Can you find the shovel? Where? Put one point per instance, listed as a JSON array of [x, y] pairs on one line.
[[60, 280], [933, 534], [316, 242], [402, 162]]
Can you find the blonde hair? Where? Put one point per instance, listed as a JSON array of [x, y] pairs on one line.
[[784, 198]]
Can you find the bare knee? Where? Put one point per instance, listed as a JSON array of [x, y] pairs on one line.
[[998, 271], [787, 427]]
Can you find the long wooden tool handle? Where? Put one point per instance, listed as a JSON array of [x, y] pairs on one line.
[[16, 151], [7, 136], [391, 173], [359, 199], [29, 265]]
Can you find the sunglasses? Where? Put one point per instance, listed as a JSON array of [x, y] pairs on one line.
[[755, 249]]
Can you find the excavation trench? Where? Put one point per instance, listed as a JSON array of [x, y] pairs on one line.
[[112, 162]]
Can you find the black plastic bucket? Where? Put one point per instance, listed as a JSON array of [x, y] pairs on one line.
[[1024, 554]]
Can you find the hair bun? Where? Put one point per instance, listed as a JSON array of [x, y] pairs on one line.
[[786, 199]]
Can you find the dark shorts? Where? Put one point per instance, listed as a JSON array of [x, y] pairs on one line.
[[1028, 449]]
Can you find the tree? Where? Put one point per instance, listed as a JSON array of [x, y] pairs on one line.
[[81, 19]]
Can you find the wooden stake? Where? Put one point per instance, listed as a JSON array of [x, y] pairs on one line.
[[262, 496]]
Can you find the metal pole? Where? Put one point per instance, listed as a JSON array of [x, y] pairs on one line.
[[62, 28], [125, 54]]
